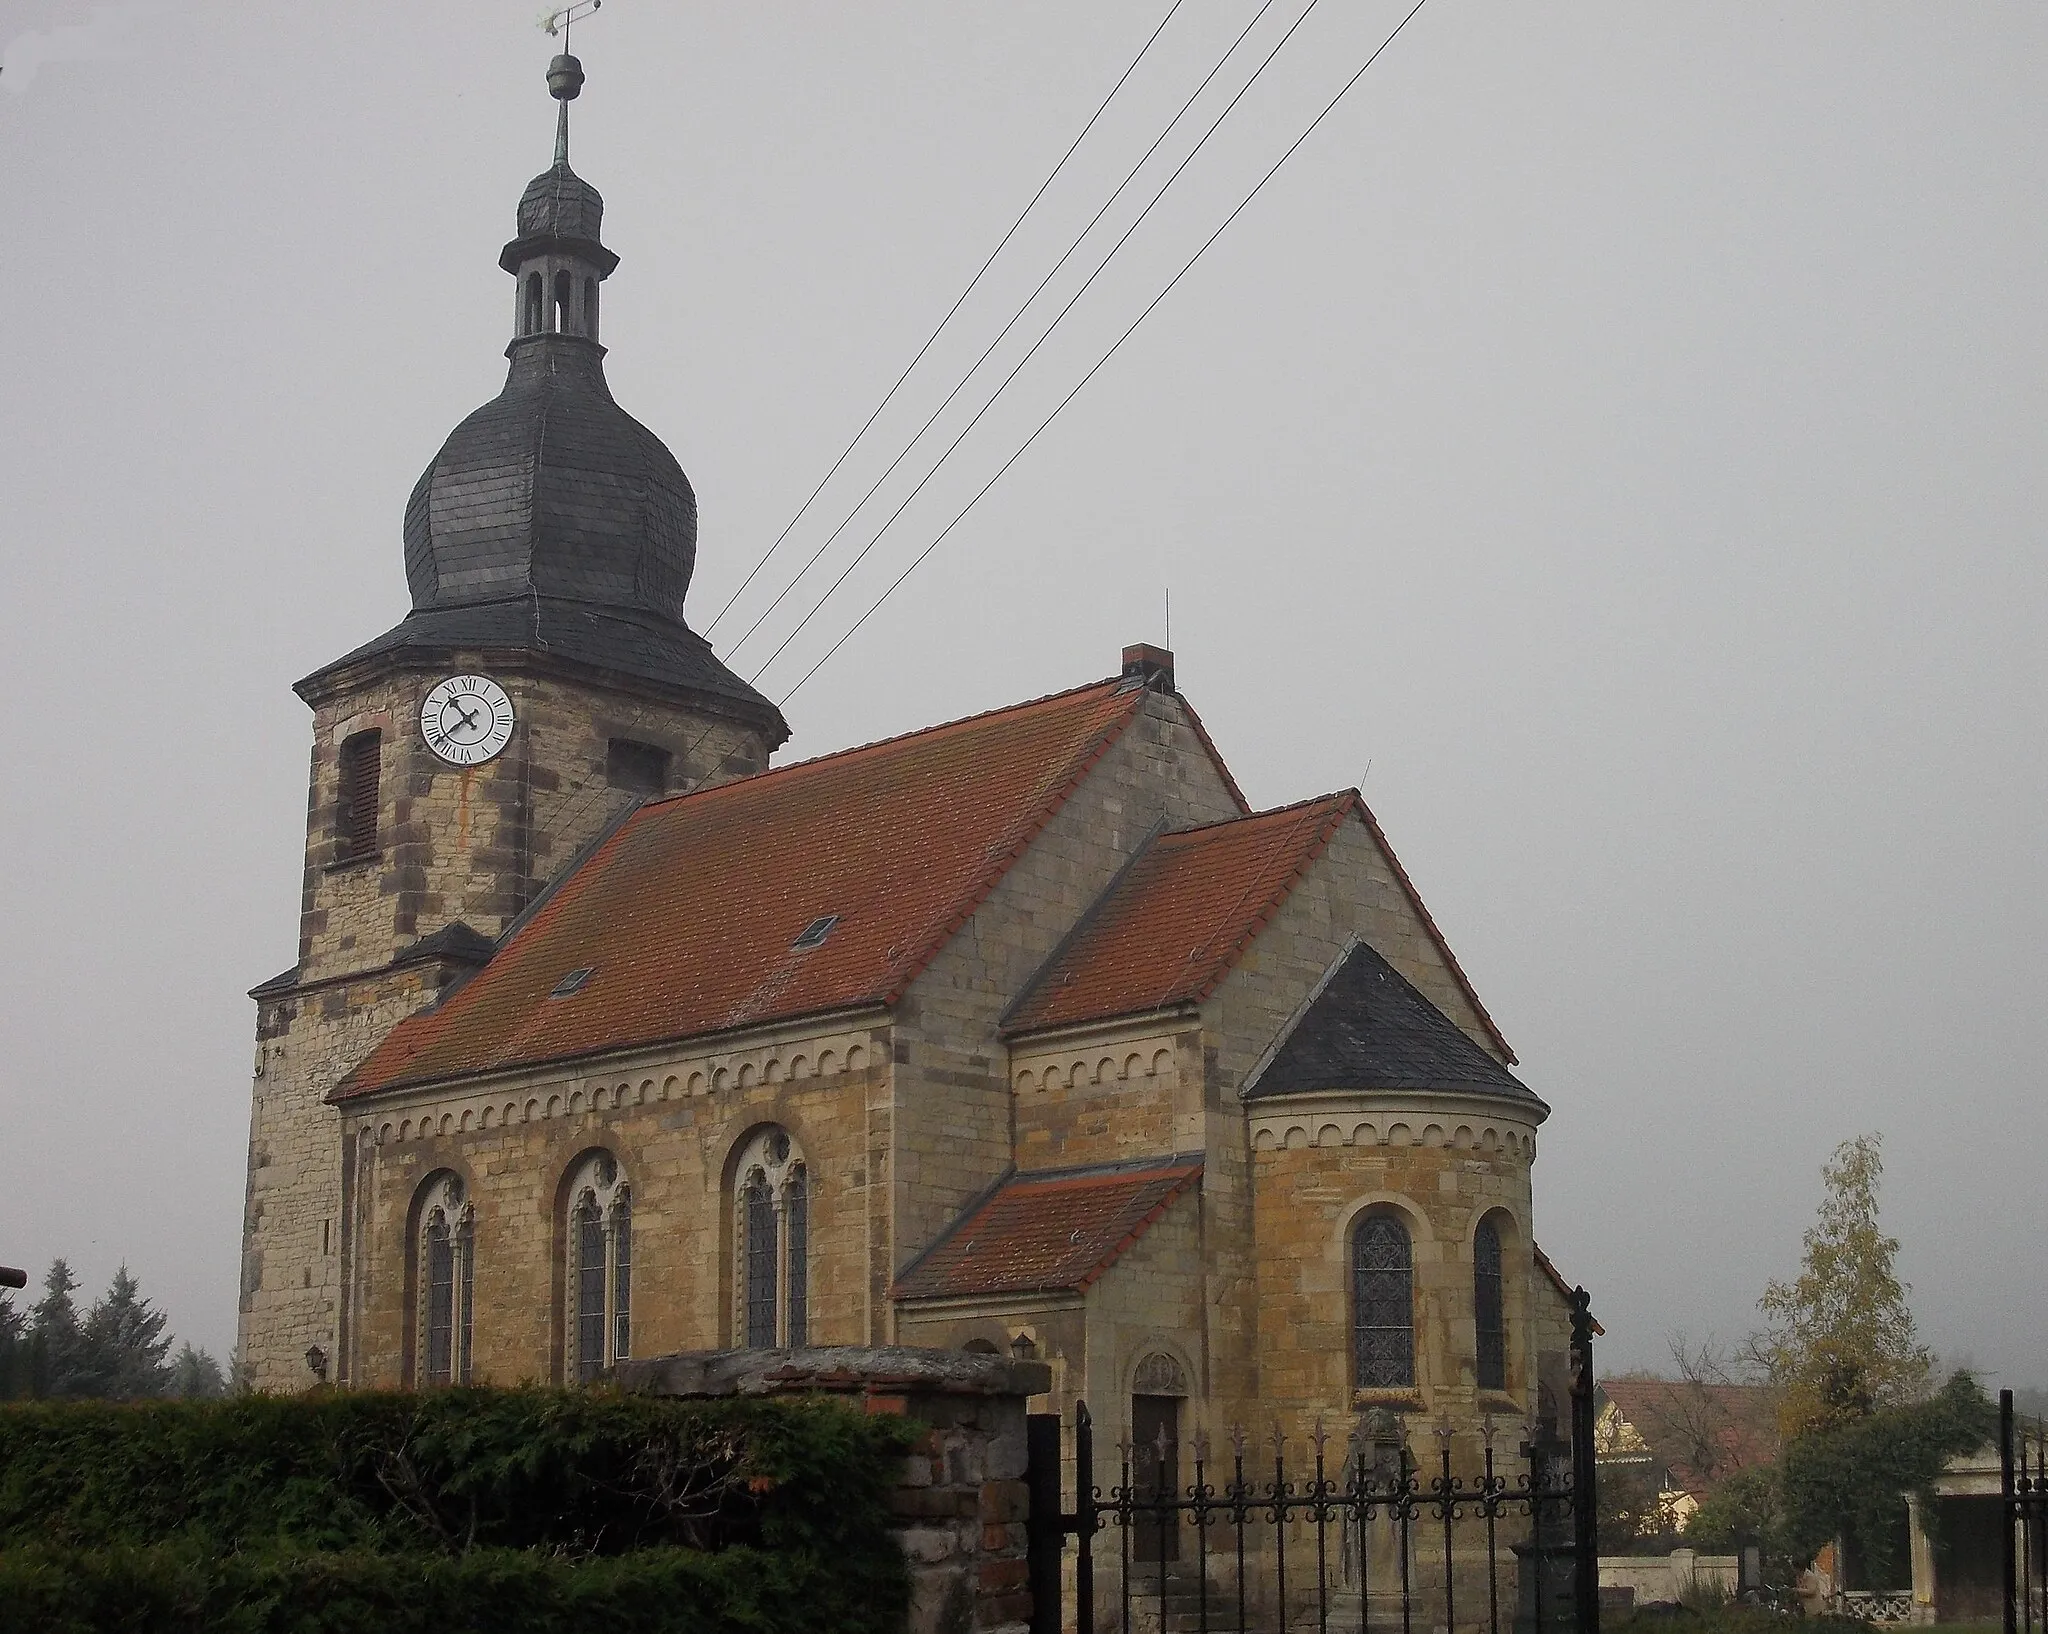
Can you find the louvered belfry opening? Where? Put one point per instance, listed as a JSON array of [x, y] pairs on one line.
[[355, 810]]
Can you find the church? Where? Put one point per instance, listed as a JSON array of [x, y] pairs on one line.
[[611, 1036]]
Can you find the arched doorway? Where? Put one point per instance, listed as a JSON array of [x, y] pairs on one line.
[[1158, 1387]]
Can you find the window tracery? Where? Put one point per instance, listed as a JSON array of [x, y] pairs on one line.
[[445, 1275], [772, 1235], [1383, 1304], [600, 1280]]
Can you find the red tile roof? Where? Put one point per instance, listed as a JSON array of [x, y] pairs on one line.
[[1687, 1424], [685, 915], [1179, 917], [1186, 908], [1053, 1232]]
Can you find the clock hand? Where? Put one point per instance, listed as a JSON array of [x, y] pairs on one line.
[[468, 719]]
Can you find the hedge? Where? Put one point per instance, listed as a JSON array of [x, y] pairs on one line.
[[487, 1591], [450, 1471]]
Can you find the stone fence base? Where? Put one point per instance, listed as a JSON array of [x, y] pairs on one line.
[[961, 1504]]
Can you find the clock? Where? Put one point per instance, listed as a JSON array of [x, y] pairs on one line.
[[467, 719]]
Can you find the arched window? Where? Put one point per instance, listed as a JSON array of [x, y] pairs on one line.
[[600, 1243], [772, 1233], [445, 1273], [536, 300], [1489, 1313], [563, 284], [1382, 1304]]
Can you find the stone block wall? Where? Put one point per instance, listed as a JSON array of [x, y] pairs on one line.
[[477, 843], [953, 1098], [473, 844], [674, 1123], [1440, 1165], [293, 1211], [961, 1504]]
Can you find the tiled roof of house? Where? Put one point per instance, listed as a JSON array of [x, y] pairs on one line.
[[1186, 908], [686, 915], [1179, 917], [1368, 1027], [1685, 1425], [1050, 1232]]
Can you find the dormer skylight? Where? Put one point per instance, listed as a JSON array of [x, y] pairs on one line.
[[814, 933], [573, 982]]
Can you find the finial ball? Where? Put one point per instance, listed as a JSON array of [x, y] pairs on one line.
[[565, 79]]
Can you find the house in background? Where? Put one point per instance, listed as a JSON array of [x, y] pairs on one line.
[[1687, 1436]]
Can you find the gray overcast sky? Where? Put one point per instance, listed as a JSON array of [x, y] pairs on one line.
[[1620, 427]]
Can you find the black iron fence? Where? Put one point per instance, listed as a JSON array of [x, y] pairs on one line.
[[2023, 1483], [1490, 1531]]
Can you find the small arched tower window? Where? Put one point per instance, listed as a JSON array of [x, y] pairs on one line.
[[772, 1235], [1489, 1309], [599, 1322], [533, 304], [1382, 1304], [563, 285], [445, 1274], [356, 796]]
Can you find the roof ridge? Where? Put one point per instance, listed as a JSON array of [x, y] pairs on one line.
[[1436, 934], [753, 779], [1254, 816], [1011, 844], [1151, 1217], [1249, 927]]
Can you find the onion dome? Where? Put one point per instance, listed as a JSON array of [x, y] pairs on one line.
[[551, 520]]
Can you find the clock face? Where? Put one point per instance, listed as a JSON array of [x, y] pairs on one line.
[[467, 719]]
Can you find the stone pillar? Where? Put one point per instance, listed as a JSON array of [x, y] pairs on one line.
[[961, 1502]]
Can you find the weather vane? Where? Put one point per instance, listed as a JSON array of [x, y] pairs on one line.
[[558, 20]]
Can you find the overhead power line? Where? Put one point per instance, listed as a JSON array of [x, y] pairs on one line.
[[1015, 318], [1187, 159], [973, 283], [1186, 267]]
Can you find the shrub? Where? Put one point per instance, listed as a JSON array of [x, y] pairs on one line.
[[486, 1591], [573, 1472]]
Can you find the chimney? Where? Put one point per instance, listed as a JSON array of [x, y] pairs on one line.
[[1151, 667]]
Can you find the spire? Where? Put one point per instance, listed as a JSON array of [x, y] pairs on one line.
[[565, 84], [558, 257]]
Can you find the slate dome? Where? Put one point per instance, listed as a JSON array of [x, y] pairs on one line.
[[552, 523], [558, 203], [552, 489]]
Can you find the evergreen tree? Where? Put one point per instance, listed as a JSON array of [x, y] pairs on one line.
[[125, 1344], [196, 1376], [56, 1346], [1841, 1342], [13, 1350]]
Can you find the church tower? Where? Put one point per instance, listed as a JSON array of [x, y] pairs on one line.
[[544, 682]]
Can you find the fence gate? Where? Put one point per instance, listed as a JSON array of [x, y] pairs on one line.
[[1488, 1531], [2023, 1483]]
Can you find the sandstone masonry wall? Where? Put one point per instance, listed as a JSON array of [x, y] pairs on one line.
[[953, 1104], [674, 1122], [470, 844]]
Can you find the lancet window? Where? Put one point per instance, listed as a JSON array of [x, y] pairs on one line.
[[772, 1237], [599, 1322], [1382, 1304], [445, 1274], [1489, 1308]]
